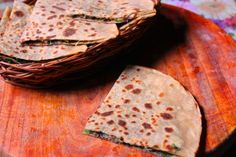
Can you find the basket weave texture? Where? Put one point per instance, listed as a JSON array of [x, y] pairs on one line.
[[48, 73]]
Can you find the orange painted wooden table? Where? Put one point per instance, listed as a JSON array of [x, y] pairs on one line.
[[40, 123]]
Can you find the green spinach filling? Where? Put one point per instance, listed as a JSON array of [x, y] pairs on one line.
[[116, 140], [89, 17], [55, 42]]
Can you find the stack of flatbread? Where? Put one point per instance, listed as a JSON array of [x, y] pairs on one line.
[[47, 29]]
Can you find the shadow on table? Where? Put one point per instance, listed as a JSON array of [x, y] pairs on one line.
[[226, 149]]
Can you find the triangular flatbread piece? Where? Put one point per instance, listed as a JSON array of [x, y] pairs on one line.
[[48, 24], [150, 110]]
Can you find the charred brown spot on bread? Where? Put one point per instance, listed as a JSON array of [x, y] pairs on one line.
[[148, 105], [169, 129], [126, 133], [38, 31], [161, 94], [117, 106], [72, 23], [51, 29], [136, 91], [23, 51], [138, 81], [127, 101], [126, 115], [92, 35], [169, 109], [129, 86], [169, 147], [154, 121], [122, 123], [148, 134], [110, 122], [135, 109], [52, 36], [165, 141], [158, 103], [69, 32], [19, 13], [52, 17], [166, 116], [97, 113], [58, 8], [61, 16], [146, 126], [124, 78], [59, 23], [107, 113], [155, 147]]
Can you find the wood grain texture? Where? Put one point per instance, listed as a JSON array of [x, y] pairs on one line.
[[41, 123]]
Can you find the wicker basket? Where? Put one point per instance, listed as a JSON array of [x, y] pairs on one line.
[[44, 74]]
